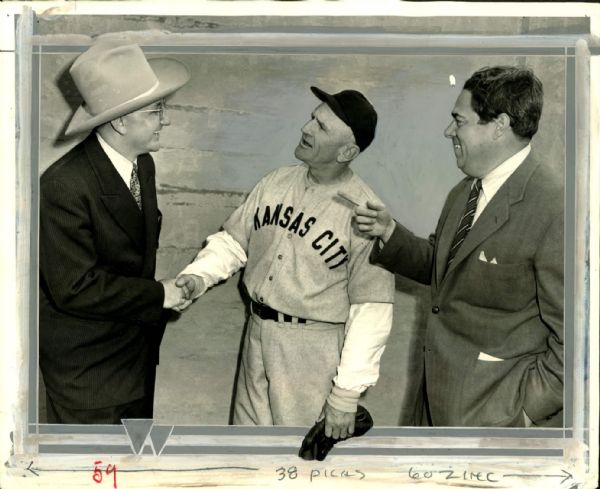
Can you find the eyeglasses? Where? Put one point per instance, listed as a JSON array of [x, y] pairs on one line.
[[160, 110]]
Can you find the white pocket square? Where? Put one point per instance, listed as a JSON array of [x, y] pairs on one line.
[[488, 358], [483, 258]]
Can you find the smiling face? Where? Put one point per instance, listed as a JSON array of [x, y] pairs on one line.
[[473, 141], [323, 138], [144, 126]]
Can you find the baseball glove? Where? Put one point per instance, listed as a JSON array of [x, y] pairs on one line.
[[316, 445]]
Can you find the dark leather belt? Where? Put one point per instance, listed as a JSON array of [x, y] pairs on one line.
[[265, 312]]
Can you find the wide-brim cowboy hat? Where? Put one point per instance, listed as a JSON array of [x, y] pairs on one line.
[[115, 79]]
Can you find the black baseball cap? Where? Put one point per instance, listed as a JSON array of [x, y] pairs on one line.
[[355, 110]]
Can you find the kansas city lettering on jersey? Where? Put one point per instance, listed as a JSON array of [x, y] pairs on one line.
[[326, 244]]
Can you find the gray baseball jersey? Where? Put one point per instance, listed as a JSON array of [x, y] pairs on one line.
[[305, 256]]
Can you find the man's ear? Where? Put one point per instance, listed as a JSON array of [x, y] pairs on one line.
[[347, 153], [502, 123], [119, 125]]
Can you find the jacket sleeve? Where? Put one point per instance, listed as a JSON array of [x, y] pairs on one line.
[[75, 279], [406, 254], [544, 392]]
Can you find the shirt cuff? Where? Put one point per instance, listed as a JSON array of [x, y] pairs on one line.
[[343, 399]]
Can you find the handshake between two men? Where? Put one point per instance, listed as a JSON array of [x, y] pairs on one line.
[[180, 292], [372, 219]]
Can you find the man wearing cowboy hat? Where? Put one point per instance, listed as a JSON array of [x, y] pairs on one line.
[[101, 313]]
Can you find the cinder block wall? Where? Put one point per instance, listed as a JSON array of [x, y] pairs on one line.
[[240, 117]]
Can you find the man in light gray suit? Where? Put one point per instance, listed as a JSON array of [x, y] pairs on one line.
[[493, 350]]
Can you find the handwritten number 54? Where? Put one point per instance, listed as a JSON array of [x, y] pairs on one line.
[[110, 469]]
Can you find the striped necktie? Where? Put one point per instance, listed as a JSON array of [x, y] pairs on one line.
[[466, 221], [134, 186]]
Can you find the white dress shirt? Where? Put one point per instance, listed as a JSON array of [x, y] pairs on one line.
[[491, 183], [121, 164]]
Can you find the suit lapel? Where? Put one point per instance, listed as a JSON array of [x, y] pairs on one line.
[[114, 193], [496, 213], [149, 205]]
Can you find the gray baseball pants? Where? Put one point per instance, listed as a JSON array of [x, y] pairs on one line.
[[286, 371]]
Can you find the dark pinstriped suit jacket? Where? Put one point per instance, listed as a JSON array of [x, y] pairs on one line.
[[100, 317]]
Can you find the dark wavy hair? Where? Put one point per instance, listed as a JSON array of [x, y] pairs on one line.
[[517, 92]]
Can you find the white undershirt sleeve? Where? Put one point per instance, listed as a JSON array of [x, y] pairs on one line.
[[218, 260], [367, 330]]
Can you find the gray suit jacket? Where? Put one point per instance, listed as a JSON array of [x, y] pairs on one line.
[[494, 339]]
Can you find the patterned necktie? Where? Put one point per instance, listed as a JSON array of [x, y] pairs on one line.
[[134, 186], [466, 221]]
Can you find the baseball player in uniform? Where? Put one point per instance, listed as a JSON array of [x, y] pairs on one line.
[[320, 312]]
